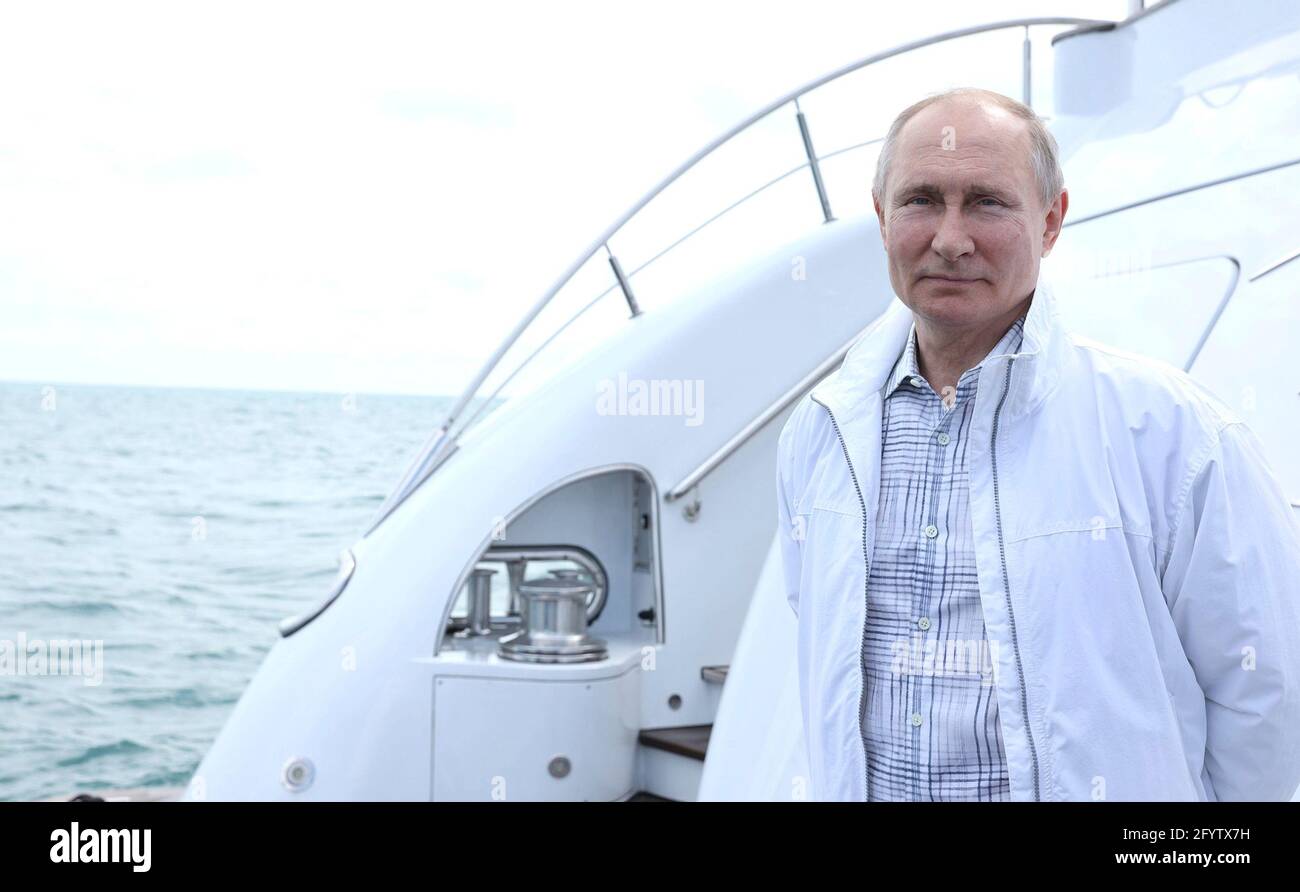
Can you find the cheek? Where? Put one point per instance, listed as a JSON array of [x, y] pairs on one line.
[[910, 235], [1002, 238]]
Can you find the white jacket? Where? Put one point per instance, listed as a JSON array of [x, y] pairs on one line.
[[1138, 564]]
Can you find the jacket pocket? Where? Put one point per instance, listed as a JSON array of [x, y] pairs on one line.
[[847, 508]]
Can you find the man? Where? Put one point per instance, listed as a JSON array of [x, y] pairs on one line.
[[1026, 566]]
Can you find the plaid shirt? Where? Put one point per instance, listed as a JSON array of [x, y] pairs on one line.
[[931, 723]]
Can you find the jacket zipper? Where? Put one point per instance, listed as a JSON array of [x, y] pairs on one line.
[[866, 559], [1006, 583]]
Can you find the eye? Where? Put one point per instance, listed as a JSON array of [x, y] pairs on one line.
[[988, 198], [917, 198]]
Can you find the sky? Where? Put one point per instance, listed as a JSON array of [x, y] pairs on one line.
[[365, 197]]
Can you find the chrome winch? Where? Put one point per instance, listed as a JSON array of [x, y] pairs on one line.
[[554, 617]]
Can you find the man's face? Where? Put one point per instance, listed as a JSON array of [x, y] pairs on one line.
[[962, 218]]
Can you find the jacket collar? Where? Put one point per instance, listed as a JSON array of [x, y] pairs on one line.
[[870, 361]]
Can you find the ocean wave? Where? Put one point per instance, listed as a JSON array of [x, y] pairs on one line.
[[123, 747]]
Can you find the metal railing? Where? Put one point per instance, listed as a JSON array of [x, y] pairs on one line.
[[443, 442], [825, 367]]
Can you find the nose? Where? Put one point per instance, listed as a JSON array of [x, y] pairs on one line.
[[951, 240]]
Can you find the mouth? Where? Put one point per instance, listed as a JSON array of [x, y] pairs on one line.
[[956, 280]]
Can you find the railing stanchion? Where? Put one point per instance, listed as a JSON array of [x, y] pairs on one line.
[[1027, 84], [813, 164], [623, 282]]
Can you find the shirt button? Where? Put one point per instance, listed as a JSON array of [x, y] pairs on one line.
[[917, 381], [931, 531], [923, 623], [944, 439], [916, 718]]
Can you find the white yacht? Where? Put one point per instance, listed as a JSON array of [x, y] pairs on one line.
[[574, 592]]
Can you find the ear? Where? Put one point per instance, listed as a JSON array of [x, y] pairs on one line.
[[1054, 220]]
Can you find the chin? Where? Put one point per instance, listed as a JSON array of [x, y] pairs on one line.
[[960, 304]]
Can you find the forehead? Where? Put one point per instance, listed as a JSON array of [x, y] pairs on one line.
[[960, 140]]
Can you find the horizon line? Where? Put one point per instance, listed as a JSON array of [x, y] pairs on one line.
[[218, 388]]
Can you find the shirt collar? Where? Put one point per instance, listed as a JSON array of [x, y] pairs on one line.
[[906, 367]]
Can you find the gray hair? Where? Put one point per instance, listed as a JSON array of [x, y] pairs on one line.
[[1043, 152]]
